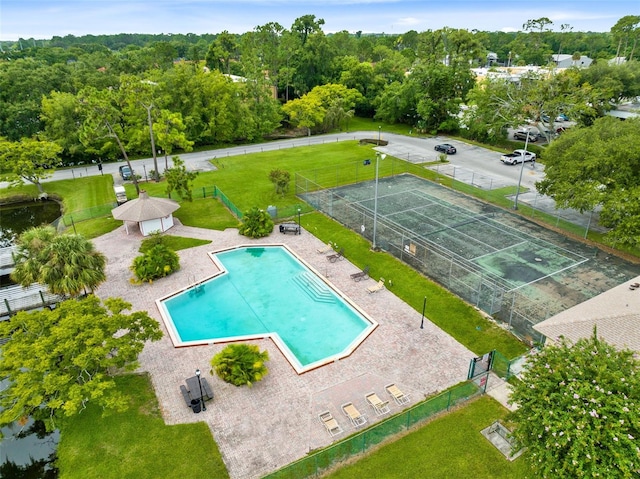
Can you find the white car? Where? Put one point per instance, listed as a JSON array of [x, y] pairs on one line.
[[518, 156]]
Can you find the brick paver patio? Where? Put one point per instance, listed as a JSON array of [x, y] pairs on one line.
[[263, 428]]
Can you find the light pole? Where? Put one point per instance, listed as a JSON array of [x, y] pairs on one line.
[[299, 226], [524, 156], [379, 156], [204, 408], [424, 305], [379, 131]]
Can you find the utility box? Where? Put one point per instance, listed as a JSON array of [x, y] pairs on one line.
[[121, 194]]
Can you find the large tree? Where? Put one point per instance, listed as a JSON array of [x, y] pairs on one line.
[[28, 160], [58, 361], [67, 264], [598, 166], [579, 411]]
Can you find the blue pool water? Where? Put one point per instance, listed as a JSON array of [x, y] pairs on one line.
[[267, 290]]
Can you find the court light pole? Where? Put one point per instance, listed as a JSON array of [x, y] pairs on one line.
[[299, 225], [379, 156], [204, 408], [524, 156]]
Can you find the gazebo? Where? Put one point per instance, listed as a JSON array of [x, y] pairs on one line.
[[151, 214]]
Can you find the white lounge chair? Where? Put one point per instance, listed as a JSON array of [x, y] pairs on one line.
[[379, 406], [376, 287], [325, 249], [356, 418], [400, 397], [330, 424]]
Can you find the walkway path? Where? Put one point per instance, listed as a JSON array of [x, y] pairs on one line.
[[263, 428]]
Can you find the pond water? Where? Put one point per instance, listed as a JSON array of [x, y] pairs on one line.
[[18, 217], [28, 450]]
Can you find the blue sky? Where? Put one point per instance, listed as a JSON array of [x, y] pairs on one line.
[[44, 19]]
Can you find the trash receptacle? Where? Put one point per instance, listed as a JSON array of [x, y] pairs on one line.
[[196, 405]]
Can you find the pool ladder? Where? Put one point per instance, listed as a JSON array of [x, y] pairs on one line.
[[314, 287], [196, 287]]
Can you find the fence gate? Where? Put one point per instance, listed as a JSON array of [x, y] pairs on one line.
[[480, 365]]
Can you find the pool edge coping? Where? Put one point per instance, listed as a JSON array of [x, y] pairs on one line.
[[273, 336]]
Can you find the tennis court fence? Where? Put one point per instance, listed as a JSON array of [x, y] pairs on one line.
[[487, 292]]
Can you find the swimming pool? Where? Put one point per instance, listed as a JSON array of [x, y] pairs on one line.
[[262, 292]]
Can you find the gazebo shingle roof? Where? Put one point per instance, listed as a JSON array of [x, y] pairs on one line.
[[145, 208]]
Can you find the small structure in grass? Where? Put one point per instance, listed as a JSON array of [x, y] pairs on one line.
[[151, 214], [501, 438]]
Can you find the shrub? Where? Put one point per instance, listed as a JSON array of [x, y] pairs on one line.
[[256, 223], [157, 262], [240, 364]]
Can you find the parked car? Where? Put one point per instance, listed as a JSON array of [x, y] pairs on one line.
[[562, 117], [125, 172], [446, 148], [518, 156], [522, 135]]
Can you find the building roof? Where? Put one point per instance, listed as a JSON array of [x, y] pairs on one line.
[[145, 208], [615, 314]]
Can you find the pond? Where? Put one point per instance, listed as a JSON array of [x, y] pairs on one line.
[[17, 217], [27, 449]]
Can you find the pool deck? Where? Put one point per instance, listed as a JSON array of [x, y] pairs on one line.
[[275, 422]]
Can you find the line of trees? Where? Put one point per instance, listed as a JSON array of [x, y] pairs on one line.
[[99, 105]]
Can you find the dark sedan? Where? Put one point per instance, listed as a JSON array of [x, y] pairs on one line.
[[446, 148]]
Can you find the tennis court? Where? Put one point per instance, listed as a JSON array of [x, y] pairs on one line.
[[500, 252], [510, 267]]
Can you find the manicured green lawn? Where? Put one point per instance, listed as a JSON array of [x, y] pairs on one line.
[[136, 443], [245, 179], [78, 194], [450, 446], [175, 243]]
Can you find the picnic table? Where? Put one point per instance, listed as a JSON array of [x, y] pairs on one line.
[[191, 393]]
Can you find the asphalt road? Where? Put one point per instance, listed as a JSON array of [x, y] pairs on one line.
[[471, 164], [467, 162]]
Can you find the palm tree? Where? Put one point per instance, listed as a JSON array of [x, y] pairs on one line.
[[30, 254], [73, 266], [66, 264]]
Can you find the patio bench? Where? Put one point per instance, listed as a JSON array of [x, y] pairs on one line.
[[289, 228]]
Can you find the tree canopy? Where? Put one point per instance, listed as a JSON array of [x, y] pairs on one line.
[[598, 166], [28, 160], [579, 411], [59, 360]]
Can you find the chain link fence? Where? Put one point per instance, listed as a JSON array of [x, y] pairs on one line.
[[538, 272], [316, 463]]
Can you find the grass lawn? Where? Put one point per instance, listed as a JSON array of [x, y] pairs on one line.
[[450, 446], [235, 173], [175, 243], [78, 194], [136, 443]]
